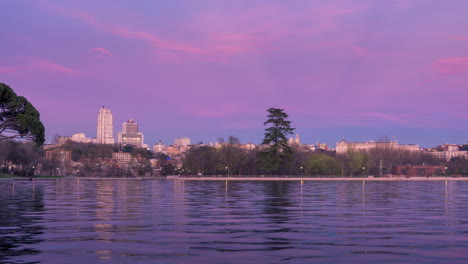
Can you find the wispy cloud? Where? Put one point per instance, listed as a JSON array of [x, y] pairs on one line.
[[102, 52], [35, 65], [452, 65], [451, 36], [218, 110], [261, 29], [123, 31], [387, 117]]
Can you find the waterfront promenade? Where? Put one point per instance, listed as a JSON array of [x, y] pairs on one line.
[[185, 178], [249, 178]]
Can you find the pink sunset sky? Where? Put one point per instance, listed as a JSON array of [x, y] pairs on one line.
[[205, 69]]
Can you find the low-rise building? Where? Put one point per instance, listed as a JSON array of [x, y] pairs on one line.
[[159, 147], [448, 155], [80, 137], [418, 170], [122, 158]]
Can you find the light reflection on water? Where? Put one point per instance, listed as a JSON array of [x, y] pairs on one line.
[[149, 221]]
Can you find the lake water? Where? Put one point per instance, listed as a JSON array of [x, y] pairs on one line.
[[151, 221]]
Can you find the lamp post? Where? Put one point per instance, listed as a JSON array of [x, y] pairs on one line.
[[227, 171], [302, 174]]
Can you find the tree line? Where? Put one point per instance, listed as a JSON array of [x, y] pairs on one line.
[[278, 157], [231, 159]]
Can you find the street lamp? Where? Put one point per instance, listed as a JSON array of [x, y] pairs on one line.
[[227, 172], [301, 171]]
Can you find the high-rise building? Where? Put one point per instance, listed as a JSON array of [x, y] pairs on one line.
[[105, 128], [130, 134]]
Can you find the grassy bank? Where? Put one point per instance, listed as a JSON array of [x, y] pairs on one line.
[[441, 178], [9, 176]]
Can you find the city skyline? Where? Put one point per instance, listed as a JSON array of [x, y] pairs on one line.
[[353, 69]]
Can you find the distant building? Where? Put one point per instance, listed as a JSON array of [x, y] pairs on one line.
[[449, 151], [80, 137], [63, 156], [295, 140], [130, 134], [122, 158], [418, 170], [309, 147], [450, 147], [105, 128], [343, 146], [183, 141], [248, 146], [159, 147], [321, 146]]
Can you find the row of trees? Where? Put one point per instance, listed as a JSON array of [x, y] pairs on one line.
[[232, 159], [278, 157], [96, 159], [20, 158]]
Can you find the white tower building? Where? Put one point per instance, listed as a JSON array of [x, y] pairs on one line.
[[105, 128]]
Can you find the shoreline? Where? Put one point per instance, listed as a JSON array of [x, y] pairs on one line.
[[316, 179], [179, 178]]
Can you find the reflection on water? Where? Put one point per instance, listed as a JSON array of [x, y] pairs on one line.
[[21, 209], [120, 221]]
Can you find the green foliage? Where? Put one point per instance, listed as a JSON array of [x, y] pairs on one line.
[[92, 151], [358, 162], [168, 169], [161, 156], [230, 156], [268, 162], [276, 158], [142, 156], [18, 117], [76, 154], [19, 158], [201, 159], [321, 164], [458, 166], [128, 148]]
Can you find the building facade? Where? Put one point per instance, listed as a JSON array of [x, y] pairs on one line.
[[418, 170], [130, 134], [122, 158], [105, 128], [343, 146], [183, 141], [449, 151], [159, 147], [81, 138]]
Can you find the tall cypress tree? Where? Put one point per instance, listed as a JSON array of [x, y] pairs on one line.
[[276, 156]]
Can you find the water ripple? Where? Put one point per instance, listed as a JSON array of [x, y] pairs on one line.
[[120, 221]]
